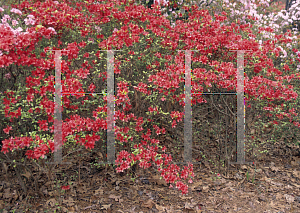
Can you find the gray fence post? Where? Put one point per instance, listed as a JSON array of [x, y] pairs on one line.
[[57, 111], [110, 109]]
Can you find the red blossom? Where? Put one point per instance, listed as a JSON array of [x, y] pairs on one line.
[[67, 187], [165, 81]]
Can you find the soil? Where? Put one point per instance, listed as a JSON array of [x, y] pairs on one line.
[[272, 185]]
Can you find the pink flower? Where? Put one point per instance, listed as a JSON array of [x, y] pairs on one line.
[[1, 9], [91, 39], [14, 22], [7, 76], [161, 2], [29, 21], [52, 29], [17, 31], [5, 18], [14, 10], [98, 29]]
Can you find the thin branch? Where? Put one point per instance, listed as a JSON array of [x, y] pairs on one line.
[[228, 106]]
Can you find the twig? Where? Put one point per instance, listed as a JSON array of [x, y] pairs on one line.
[[20, 179], [72, 153], [241, 182]]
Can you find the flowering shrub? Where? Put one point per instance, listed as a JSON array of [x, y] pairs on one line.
[[268, 26], [147, 39]]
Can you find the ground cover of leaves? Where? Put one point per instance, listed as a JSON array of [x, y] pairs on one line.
[[274, 188]]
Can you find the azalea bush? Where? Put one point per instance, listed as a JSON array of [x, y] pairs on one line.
[[264, 19], [261, 17], [148, 73]]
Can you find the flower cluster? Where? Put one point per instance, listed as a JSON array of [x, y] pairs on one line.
[[209, 36]]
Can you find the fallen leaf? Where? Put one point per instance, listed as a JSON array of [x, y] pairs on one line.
[[158, 181], [244, 167], [185, 198], [51, 202], [289, 198], [274, 169], [148, 204], [69, 202], [294, 163], [160, 208], [27, 174], [99, 191], [114, 197], [106, 206], [196, 184], [189, 206], [205, 188], [64, 209], [296, 173]]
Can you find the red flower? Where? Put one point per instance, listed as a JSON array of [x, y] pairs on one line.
[[7, 129], [65, 187]]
